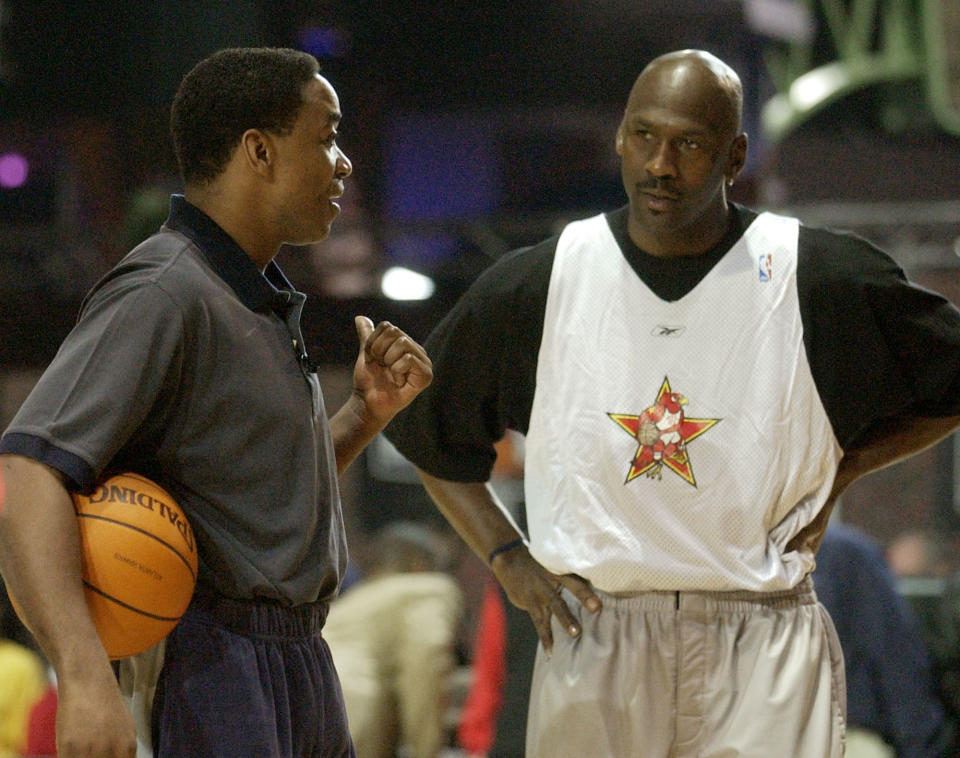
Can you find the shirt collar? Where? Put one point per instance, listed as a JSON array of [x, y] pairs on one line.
[[742, 218], [256, 290]]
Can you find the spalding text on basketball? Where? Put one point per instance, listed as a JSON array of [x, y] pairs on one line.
[[127, 495]]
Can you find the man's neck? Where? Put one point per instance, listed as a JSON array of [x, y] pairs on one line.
[[237, 220], [681, 243]]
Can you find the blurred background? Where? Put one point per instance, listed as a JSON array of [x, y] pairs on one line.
[[476, 127]]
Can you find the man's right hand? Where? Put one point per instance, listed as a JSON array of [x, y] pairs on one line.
[[537, 591], [474, 511], [93, 720]]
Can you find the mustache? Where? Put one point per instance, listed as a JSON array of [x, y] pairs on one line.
[[666, 186]]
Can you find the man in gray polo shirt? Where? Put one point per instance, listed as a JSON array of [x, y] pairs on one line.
[[187, 364]]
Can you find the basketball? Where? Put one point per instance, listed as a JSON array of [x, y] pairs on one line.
[[139, 562]]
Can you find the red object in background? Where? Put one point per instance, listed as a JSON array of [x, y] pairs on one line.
[[42, 726], [478, 719]]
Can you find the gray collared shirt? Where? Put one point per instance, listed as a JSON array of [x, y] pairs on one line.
[[187, 365]]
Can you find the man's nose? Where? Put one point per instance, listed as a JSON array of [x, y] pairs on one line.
[[661, 161], [344, 166]]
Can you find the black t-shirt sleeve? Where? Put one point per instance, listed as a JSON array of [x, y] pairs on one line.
[[878, 346], [484, 355]]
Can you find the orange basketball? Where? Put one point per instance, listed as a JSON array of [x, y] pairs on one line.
[[139, 562]]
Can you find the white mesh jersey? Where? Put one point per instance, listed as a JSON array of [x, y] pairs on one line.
[[676, 445]]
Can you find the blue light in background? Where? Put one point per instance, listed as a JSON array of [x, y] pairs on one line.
[[420, 249], [440, 167], [323, 41]]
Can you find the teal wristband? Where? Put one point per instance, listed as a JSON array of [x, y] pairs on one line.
[[504, 548]]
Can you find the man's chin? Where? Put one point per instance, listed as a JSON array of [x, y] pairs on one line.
[[653, 219], [318, 235]]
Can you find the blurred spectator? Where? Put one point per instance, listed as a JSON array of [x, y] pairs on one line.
[[478, 717], [28, 696], [392, 636], [42, 724], [493, 722], [944, 641], [919, 553], [23, 681], [892, 704], [928, 578]]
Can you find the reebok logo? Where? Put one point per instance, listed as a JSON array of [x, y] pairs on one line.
[[662, 330]]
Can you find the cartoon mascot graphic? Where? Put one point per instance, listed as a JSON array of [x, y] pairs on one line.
[[662, 432], [659, 429]]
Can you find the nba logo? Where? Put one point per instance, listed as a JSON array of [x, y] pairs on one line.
[[765, 263]]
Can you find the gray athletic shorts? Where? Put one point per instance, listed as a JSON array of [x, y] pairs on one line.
[[690, 674]]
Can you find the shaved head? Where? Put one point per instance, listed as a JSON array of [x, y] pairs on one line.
[[681, 147], [708, 85]]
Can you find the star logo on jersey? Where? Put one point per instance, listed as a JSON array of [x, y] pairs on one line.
[[663, 431]]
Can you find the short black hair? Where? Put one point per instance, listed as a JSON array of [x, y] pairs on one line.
[[233, 90]]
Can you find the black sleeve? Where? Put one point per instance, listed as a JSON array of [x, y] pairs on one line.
[[878, 345], [484, 355]]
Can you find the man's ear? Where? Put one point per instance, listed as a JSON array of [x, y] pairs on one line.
[[619, 140], [737, 159], [257, 150]]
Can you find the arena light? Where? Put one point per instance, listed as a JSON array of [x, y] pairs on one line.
[[820, 85], [789, 20], [399, 283]]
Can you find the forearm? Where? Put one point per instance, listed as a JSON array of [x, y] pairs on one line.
[[41, 565], [889, 442], [352, 429], [474, 511]]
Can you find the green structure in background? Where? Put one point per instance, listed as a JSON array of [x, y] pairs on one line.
[[900, 46], [941, 24]]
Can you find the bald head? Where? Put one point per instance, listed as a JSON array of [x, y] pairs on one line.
[[680, 147], [706, 87]]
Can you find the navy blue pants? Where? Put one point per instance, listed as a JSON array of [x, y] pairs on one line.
[[249, 680]]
